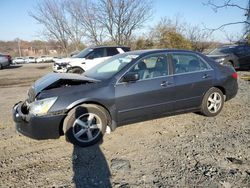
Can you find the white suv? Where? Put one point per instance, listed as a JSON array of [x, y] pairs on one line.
[[87, 59]]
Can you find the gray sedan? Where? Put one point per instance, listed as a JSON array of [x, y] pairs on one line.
[[129, 87]]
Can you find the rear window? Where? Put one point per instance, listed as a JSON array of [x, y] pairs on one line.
[[125, 49], [112, 51]]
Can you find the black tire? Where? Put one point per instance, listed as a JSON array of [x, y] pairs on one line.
[[77, 125], [1, 66], [212, 102], [75, 70]]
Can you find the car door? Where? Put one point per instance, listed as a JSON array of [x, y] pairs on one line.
[[243, 53], [192, 77], [240, 52], [151, 95]]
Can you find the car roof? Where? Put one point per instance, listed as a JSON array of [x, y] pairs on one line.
[[232, 45], [95, 47], [145, 52]]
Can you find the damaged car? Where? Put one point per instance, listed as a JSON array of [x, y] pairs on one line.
[[87, 58], [127, 88]]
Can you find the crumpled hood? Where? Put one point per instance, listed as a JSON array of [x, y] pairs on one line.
[[55, 80]]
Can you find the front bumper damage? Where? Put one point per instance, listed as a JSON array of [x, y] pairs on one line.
[[37, 127], [59, 68]]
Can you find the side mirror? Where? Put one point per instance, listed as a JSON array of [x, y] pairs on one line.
[[130, 77]]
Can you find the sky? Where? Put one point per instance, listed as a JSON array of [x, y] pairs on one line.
[[15, 21]]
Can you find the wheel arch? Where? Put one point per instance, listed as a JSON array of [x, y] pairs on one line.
[[111, 122], [232, 62], [223, 90], [75, 67]]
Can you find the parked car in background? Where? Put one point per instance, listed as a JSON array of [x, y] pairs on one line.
[[87, 59], [129, 87], [4, 61], [30, 59], [237, 56], [44, 59], [56, 59], [8, 57], [18, 60]]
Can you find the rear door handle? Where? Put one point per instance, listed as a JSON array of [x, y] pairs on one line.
[[205, 76], [166, 83]]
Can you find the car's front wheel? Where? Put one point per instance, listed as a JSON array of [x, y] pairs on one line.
[[85, 125], [212, 102]]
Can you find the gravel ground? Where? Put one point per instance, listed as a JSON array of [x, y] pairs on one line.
[[187, 150]]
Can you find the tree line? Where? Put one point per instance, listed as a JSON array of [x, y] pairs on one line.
[[116, 22]]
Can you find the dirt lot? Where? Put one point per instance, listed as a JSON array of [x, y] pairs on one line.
[[186, 150]]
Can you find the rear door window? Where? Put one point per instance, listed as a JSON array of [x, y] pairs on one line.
[[185, 63]]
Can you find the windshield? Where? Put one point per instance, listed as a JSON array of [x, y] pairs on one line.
[[222, 50], [110, 67], [83, 53]]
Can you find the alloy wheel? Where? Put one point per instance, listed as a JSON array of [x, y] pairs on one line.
[[214, 102], [87, 127]]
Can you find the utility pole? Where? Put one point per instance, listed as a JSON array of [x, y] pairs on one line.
[[19, 47]]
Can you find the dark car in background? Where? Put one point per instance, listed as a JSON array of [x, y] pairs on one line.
[[129, 87], [5, 60], [237, 56]]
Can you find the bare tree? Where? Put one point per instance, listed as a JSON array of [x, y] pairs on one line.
[[198, 37], [58, 24], [113, 21], [229, 3], [85, 12], [121, 18]]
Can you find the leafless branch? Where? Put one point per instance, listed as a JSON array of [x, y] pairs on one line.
[[227, 24], [121, 18], [227, 3]]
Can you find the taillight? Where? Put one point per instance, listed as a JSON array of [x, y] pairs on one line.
[[235, 75]]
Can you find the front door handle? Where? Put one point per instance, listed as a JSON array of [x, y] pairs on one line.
[[206, 76]]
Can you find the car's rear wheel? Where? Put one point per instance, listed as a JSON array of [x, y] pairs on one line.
[[1, 66], [212, 102], [76, 70], [85, 125]]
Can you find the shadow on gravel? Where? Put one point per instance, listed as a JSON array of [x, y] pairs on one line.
[[13, 67], [90, 167]]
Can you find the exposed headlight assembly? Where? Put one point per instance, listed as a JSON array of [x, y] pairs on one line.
[[64, 64], [41, 107]]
